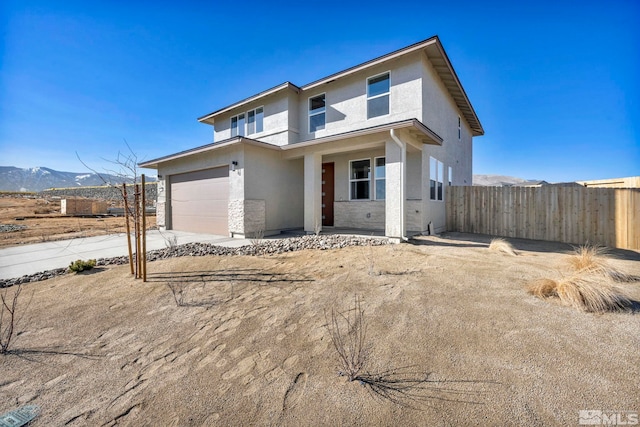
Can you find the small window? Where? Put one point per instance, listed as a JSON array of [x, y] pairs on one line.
[[254, 121], [378, 96], [237, 125], [436, 179], [317, 111], [459, 129], [380, 178], [359, 179]]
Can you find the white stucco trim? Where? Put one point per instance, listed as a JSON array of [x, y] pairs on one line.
[[430, 136], [153, 164], [402, 185]]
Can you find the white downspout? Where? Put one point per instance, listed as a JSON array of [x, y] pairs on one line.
[[403, 149]]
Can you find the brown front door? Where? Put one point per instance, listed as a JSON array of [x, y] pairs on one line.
[[327, 194]]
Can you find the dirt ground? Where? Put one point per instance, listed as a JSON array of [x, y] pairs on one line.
[[43, 222], [454, 339]]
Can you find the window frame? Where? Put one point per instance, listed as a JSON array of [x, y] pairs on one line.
[[438, 183], [359, 180], [376, 179], [255, 125], [387, 94], [310, 114]]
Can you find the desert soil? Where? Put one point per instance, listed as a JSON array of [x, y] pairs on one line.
[[42, 222], [249, 345]]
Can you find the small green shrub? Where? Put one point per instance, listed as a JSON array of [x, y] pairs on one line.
[[82, 265]]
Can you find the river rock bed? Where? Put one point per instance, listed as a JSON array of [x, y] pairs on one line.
[[9, 228]]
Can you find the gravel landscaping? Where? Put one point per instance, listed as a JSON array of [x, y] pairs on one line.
[[9, 228]]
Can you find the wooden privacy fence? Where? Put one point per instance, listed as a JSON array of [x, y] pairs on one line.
[[578, 215]]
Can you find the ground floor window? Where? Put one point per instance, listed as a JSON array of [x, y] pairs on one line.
[[360, 179], [436, 179], [380, 178]]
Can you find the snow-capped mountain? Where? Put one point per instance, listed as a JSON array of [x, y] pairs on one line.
[[500, 180], [41, 178]]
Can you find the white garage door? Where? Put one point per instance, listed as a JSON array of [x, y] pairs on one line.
[[200, 201]]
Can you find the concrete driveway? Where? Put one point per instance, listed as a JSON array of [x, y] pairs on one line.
[[18, 261]]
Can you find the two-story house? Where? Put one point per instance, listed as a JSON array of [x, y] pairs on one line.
[[371, 147]]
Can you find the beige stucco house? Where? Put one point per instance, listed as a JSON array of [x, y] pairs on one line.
[[371, 147]]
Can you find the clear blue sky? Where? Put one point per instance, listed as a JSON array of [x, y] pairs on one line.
[[555, 83]]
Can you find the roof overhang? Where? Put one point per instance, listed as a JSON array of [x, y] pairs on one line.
[[153, 164], [361, 139], [414, 126], [210, 118], [440, 61]]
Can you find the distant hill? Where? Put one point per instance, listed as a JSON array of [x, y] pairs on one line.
[[41, 178], [501, 180]]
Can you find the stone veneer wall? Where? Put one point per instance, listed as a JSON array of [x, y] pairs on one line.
[[370, 215], [246, 217]]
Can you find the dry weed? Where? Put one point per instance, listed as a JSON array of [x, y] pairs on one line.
[[257, 236], [9, 317], [592, 259], [501, 245], [543, 288], [348, 334], [591, 293]]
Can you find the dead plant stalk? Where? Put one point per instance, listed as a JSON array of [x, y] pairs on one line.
[[348, 334], [8, 318]]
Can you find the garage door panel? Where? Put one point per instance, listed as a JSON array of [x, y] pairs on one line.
[[199, 201]]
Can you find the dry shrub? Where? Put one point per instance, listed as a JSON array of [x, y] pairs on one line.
[[591, 293], [501, 245], [592, 259]]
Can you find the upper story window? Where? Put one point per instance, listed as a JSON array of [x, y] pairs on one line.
[[317, 113], [378, 95], [459, 129], [254, 121], [359, 179], [237, 125], [436, 179]]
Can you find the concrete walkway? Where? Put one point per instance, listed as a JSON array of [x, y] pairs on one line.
[[18, 261]]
